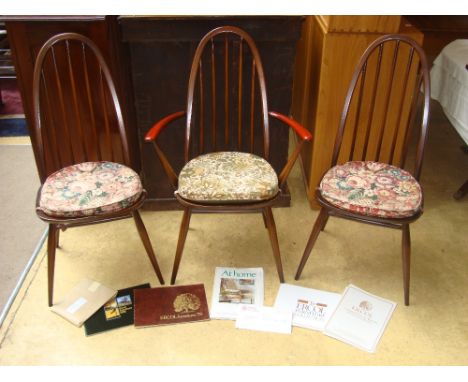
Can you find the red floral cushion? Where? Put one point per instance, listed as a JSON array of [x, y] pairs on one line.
[[372, 188], [89, 188]]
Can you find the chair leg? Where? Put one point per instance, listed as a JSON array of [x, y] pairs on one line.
[[462, 191], [406, 260], [51, 246], [147, 244], [318, 226], [57, 238], [264, 219], [270, 222], [325, 222], [184, 226]]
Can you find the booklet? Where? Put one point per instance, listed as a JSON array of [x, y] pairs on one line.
[[234, 286], [170, 305], [264, 319], [116, 313], [83, 301], [311, 308], [360, 318]]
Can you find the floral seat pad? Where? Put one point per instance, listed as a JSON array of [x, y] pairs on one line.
[[372, 188], [89, 188], [228, 177]]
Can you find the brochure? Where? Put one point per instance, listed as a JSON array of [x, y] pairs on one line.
[[116, 313], [360, 318], [264, 319], [311, 308], [235, 286]]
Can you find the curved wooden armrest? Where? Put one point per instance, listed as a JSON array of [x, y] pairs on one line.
[[151, 136], [296, 126], [303, 133], [153, 133]]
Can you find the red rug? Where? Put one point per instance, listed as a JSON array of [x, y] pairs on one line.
[[11, 99]]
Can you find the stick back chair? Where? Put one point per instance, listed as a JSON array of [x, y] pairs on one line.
[[367, 182], [81, 144], [226, 166]]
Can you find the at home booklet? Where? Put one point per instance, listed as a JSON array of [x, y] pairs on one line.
[[234, 286], [360, 318], [170, 305], [83, 301], [116, 313], [311, 308]]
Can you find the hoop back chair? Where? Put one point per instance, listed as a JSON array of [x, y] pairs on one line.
[[367, 182], [226, 166], [81, 144]]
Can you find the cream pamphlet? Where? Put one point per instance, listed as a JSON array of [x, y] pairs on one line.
[[360, 318], [311, 308], [235, 286], [264, 319]]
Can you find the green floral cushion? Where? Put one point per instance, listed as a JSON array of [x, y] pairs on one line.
[[89, 188], [228, 177], [372, 188]]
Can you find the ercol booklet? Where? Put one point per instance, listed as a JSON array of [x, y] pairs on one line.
[[360, 318], [311, 308], [170, 305], [235, 286]]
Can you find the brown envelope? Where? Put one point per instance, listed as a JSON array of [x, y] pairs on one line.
[[83, 301]]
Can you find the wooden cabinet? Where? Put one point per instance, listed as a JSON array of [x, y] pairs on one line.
[[327, 54]]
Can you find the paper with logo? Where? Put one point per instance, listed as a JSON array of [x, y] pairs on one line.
[[264, 319], [360, 318], [311, 308], [234, 286], [116, 313], [83, 301], [170, 305]]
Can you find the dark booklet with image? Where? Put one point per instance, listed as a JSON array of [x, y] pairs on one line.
[[116, 313], [170, 305]]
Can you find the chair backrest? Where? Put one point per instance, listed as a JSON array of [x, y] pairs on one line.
[[227, 102], [383, 104], [77, 115]]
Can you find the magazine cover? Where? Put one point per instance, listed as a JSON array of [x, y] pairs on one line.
[[311, 308], [234, 286]]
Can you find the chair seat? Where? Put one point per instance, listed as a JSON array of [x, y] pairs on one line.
[[228, 177], [89, 188], [373, 189]]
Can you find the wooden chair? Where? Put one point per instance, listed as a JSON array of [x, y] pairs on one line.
[[369, 184], [82, 149], [226, 166]]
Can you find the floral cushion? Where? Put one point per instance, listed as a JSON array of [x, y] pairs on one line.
[[89, 188], [228, 177], [372, 188]]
